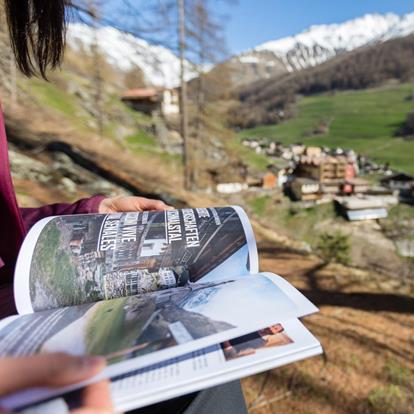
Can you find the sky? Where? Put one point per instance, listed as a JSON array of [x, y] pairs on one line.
[[252, 22], [249, 23]]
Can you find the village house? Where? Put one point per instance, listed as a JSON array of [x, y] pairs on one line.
[[378, 190], [281, 172], [170, 102], [324, 168], [331, 188], [272, 149], [407, 196], [305, 189], [269, 181], [287, 154], [150, 100], [355, 186], [361, 208], [231, 188], [298, 149], [401, 182], [313, 151]]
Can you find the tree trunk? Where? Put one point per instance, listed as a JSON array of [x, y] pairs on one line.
[[183, 96]]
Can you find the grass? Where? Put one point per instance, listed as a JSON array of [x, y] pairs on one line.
[[365, 121], [292, 220], [51, 96], [251, 158], [141, 138], [401, 212], [109, 330], [398, 223], [259, 204]]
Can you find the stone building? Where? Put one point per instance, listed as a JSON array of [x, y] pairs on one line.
[[150, 100]]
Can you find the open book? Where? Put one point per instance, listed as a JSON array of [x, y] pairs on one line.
[[173, 300]]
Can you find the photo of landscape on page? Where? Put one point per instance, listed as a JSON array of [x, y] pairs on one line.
[[71, 260], [138, 326]]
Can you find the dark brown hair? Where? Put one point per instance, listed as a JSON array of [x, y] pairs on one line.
[[37, 33]]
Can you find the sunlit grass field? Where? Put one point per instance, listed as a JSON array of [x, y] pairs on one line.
[[365, 121]]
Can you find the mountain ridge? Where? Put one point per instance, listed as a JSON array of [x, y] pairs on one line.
[[271, 101], [309, 48], [318, 44]]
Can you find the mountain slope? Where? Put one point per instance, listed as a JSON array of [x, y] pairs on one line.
[[161, 67], [270, 101], [364, 120], [319, 44]]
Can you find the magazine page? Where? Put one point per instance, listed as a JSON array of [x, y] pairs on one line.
[[138, 331], [71, 260], [268, 348]]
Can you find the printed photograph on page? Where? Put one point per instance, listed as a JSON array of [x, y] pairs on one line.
[[87, 258]]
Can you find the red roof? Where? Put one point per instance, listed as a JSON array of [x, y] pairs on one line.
[[140, 93]]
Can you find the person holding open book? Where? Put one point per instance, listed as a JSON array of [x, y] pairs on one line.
[[37, 31]]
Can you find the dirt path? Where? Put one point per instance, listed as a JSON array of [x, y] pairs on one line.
[[366, 326]]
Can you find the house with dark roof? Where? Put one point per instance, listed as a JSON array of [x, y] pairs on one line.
[[150, 100], [400, 181]]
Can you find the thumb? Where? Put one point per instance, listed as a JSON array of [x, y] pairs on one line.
[[96, 398], [150, 204], [47, 370]]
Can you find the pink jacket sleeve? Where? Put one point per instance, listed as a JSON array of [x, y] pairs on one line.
[[84, 206]]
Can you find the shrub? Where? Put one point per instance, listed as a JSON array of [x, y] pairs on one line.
[[385, 400], [334, 247], [396, 373]]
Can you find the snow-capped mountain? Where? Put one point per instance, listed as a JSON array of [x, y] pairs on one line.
[[123, 51], [309, 48], [322, 42]]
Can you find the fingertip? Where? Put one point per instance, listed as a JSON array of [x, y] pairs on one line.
[[160, 205], [164, 206], [98, 396]]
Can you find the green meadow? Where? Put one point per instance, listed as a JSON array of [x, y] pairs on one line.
[[365, 121]]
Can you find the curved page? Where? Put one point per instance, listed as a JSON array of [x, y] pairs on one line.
[[72, 260], [274, 346], [138, 331]]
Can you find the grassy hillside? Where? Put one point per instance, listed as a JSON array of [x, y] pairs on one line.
[[365, 121], [262, 102]]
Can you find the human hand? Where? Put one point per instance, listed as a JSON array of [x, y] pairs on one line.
[[57, 370], [123, 203]]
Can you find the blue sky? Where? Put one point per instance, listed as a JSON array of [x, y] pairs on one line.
[[251, 22]]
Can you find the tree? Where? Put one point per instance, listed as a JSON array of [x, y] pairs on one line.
[[134, 79], [191, 29], [183, 94], [205, 45], [334, 247], [93, 8]]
